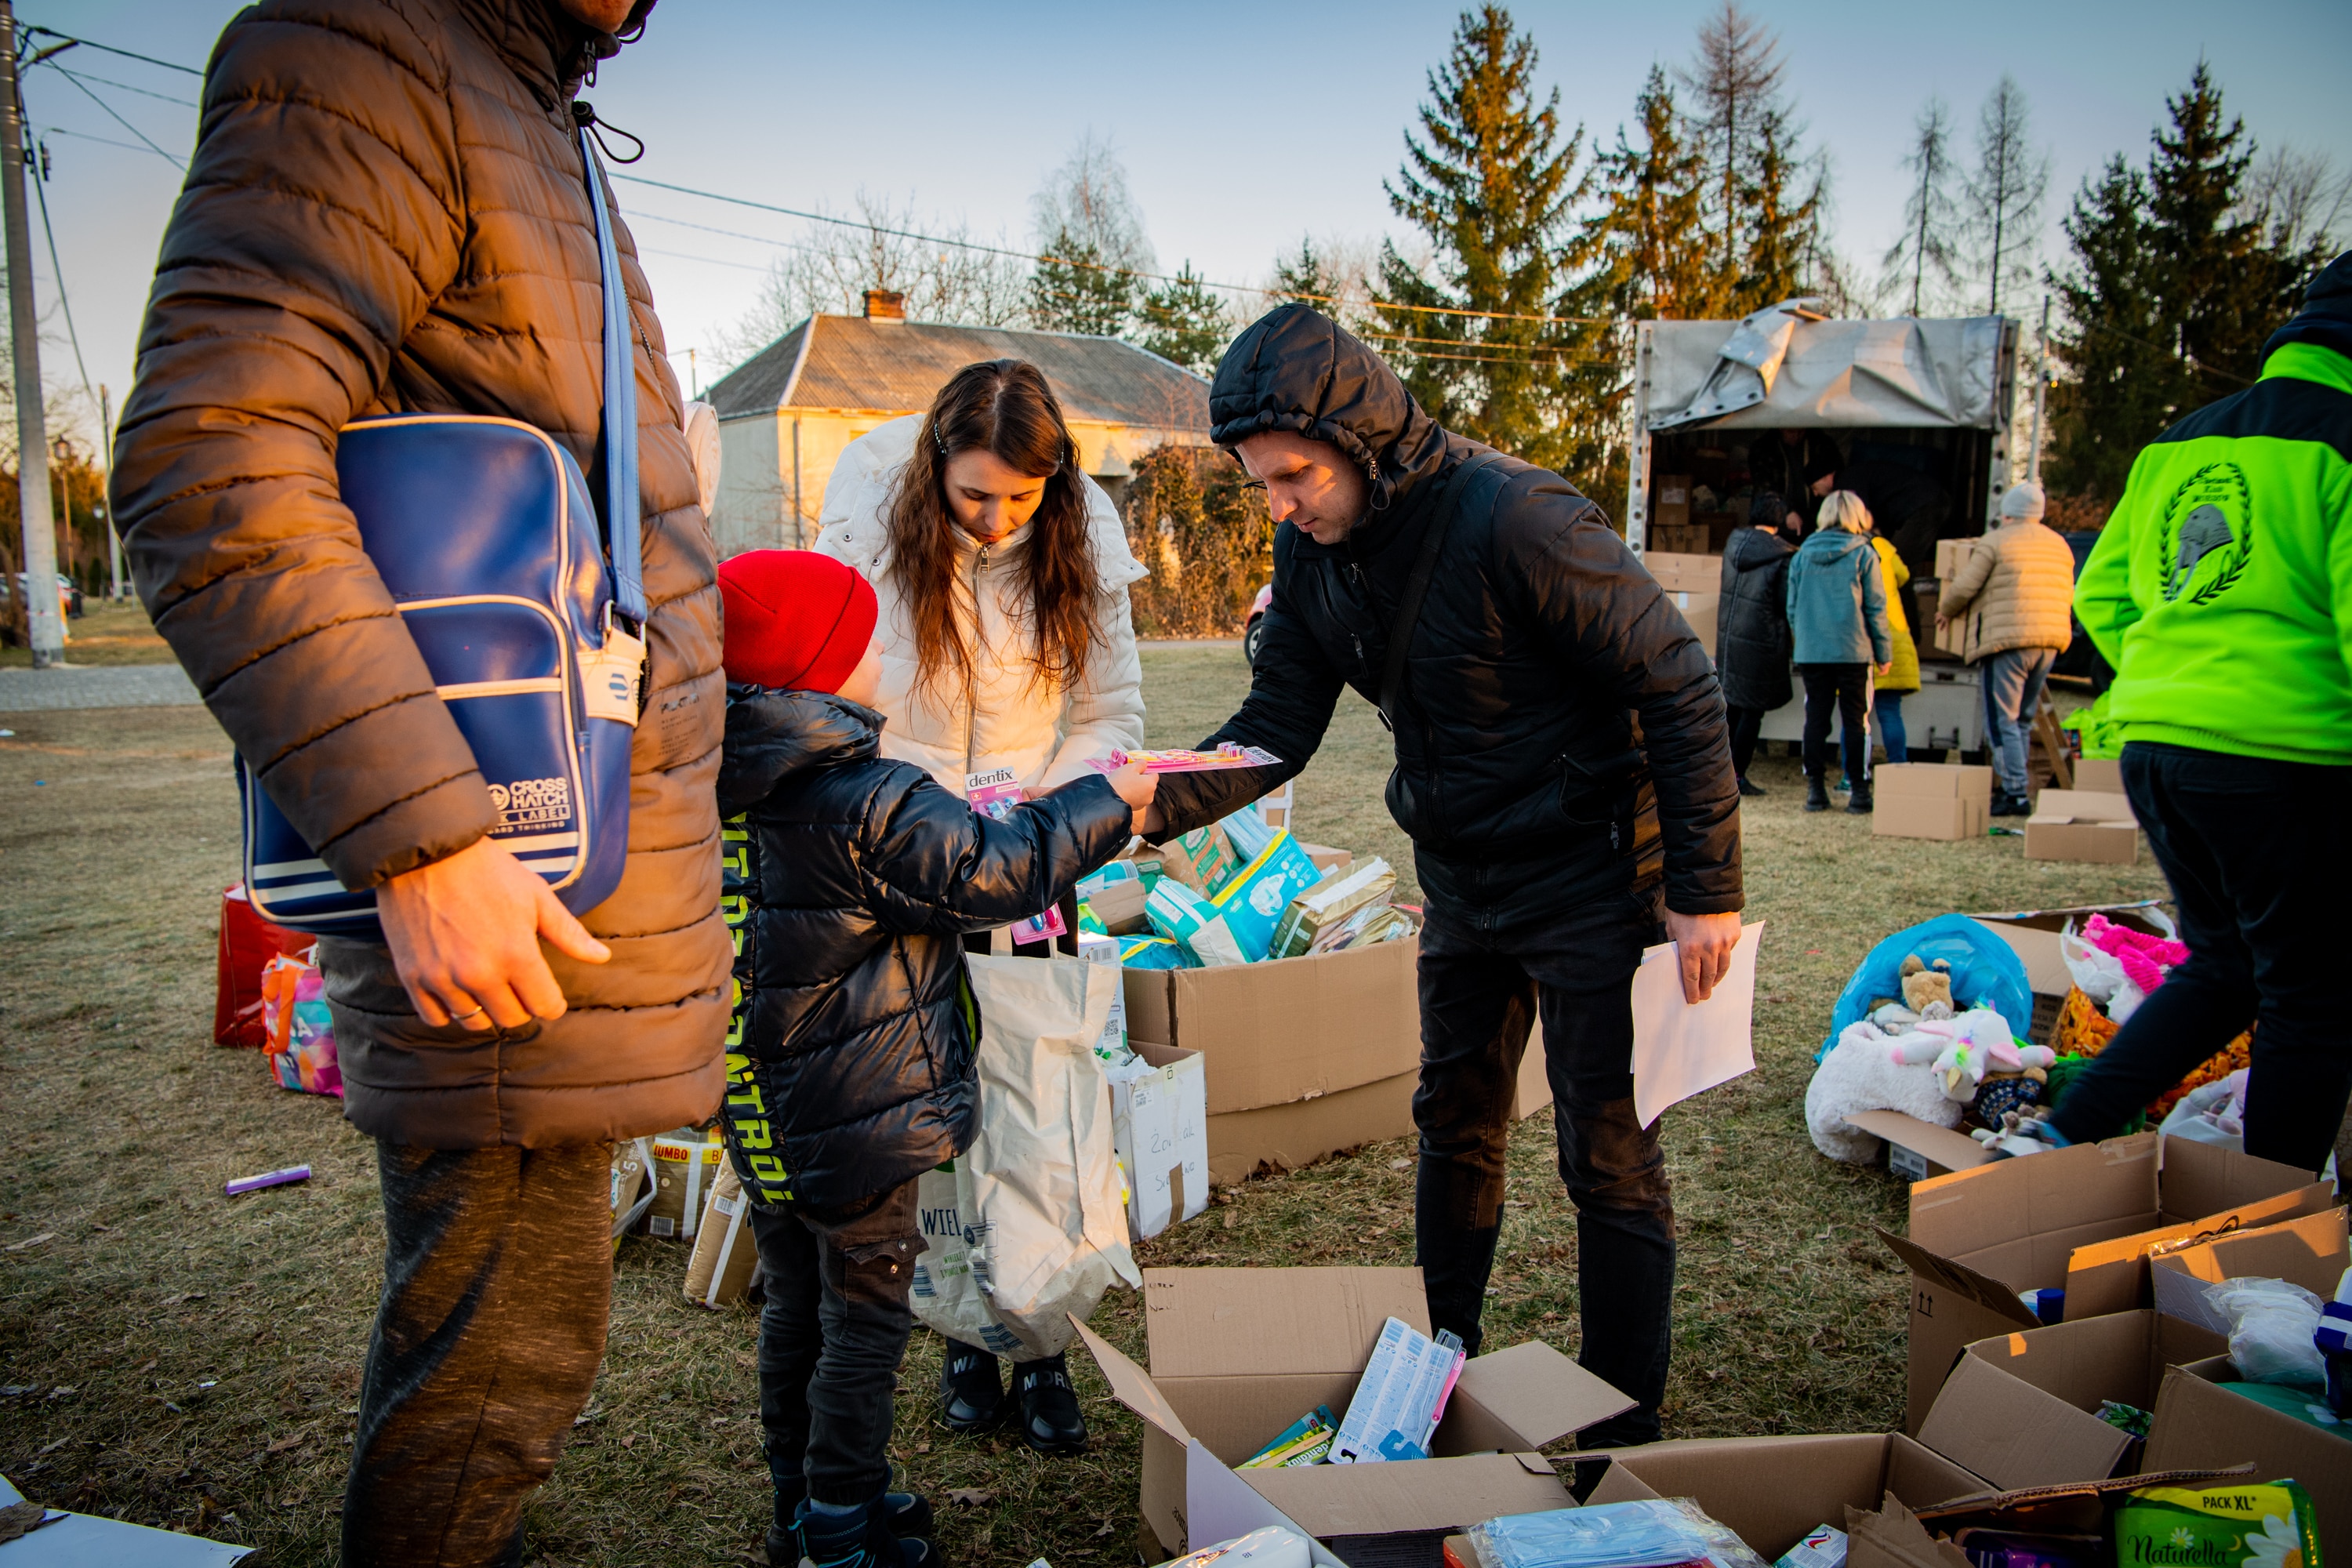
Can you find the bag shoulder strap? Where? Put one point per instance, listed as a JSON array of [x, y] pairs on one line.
[[1416, 587], [620, 432]]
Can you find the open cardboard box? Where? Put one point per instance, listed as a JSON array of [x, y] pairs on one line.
[[2310, 1250], [2200, 1424], [2081, 1218], [1237, 1354], [2079, 825]]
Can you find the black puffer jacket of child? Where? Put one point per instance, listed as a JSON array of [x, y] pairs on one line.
[[852, 1068]]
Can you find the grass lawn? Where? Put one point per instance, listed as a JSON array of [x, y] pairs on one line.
[[173, 1357], [104, 634]]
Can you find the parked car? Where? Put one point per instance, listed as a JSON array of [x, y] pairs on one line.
[[1253, 632], [68, 593]]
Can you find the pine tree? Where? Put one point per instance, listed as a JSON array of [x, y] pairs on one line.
[[1929, 216], [1090, 235], [2116, 393], [1305, 277], [1783, 229], [1492, 182], [1765, 198], [1649, 230], [1074, 289], [1182, 322], [2002, 199]]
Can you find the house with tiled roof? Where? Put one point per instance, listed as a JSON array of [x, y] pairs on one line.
[[786, 413]]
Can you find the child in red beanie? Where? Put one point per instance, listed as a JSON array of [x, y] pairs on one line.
[[851, 1065]]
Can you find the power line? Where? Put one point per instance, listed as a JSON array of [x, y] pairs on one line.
[[109, 48], [51, 234], [85, 136], [126, 87], [84, 90]]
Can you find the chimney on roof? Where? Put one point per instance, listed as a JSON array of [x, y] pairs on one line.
[[885, 305]]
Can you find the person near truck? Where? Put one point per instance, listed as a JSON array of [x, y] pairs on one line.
[[2013, 592], [1782, 463], [1902, 676], [858, 1034], [1751, 629], [1909, 508], [2221, 590], [1008, 653], [1562, 768], [387, 210], [1837, 618]]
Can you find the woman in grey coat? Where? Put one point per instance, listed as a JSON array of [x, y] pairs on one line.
[[1751, 638], [1837, 616]]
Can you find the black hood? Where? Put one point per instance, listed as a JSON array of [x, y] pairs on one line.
[[1295, 369], [2326, 315], [772, 733]]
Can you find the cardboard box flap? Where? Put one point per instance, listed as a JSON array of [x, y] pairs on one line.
[[1424, 1494], [1244, 1322], [2207, 1179], [2089, 1183], [1132, 1386], [2015, 1435], [2198, 1423], [2081, 805], [2121, 1356], [1945, 1146], [1985, 1502], [1220, 1506], [2312, 1252], [1959, 1279], [1914, 1470], [1524, 1397], [2112, 1276]]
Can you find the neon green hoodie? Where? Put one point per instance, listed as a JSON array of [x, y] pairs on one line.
[[2221, 588]]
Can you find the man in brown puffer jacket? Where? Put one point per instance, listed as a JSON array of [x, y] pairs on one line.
[[387, 210], [2015, 594]]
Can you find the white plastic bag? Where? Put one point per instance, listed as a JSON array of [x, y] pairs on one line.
[[2270, 1325], [1027, 1226], [2211, 1113]]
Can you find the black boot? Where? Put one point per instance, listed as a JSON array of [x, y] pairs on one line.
[[907, 1515], [2007, 805], [1051, 1422], [859, 1539], [1817, 794], [1859, 802], [971, 1394], [1749, 786]]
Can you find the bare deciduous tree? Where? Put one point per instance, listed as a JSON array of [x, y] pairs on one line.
[[2002, 198], [1929, 241]]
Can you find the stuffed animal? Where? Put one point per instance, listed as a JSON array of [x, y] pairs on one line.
[[1926, 985], [2145, 958], [1862, 1072]]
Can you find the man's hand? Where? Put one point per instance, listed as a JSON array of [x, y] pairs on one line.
[[1943, 621], [1703, 945], [465, 935]]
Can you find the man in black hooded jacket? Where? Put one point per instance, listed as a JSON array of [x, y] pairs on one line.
[[1562, 767]]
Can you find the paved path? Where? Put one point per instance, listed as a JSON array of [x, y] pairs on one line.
[[97, 685]]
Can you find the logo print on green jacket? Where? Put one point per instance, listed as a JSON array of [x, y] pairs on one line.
[[2208, 518]]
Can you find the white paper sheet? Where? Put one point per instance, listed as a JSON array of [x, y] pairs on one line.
[[1680, 1050]]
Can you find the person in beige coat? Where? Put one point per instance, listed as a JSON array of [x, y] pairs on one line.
[[2014, 597]]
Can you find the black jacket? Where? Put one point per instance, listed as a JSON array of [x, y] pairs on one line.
[[1751, 627], [1781, 468], [852, 1066], [1550, 677]]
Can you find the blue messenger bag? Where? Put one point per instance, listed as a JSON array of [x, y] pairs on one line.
[[484, 532]]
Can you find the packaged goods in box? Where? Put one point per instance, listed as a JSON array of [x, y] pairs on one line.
[[1328, 903], [633, 1190], [1236, 1355], [2076, 825], [2205, 1421], [2307, 1249], [2114, 1364], [725, 1257], [1194, 924], [2082, 1219], [1112, 1046], [1924, 800], [1670, 505], [1274, 871], [686, 1161], [1958, 637], [1159, 1130]]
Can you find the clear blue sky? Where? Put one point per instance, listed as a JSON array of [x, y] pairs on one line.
[[1242, 126]]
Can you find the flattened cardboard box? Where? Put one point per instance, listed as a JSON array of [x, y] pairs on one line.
[[2199, 1424], [1772, 1490], [1237, 1354], [2021, 1409], [1980, 1237]]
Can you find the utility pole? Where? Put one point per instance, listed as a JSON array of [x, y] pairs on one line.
[[2041, 392], [45, 621], [105, 491]]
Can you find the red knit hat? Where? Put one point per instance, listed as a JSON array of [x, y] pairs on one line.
[[794, 618]]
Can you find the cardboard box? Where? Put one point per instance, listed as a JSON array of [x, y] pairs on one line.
[[2077, 824], [1159, 1130], [2099, 775], [685, 1162], [1916, 1150], [2310, 1250], [1670, 502], [1119, 907], [1679, 572], [1958, 639], [2200, 1425], [1328, 860], [1685, 539], [1772, 1490], [1236, 1354], [1699, 608], [2021, 1409], [1926, 800], [725, 1257], [2032, 935], [1980, 1237]]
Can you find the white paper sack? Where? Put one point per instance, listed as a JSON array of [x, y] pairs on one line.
[[1680, 1050], [1160, 1126]]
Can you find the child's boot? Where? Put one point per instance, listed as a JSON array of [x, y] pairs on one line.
[[972, 1396], [859, 1538], [907, 1515], [1051, 1422]]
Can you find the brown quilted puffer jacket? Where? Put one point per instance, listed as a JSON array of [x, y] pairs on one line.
[[386, 212], [2015, 589]]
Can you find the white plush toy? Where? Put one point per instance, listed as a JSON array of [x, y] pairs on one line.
[[1862, 1072]]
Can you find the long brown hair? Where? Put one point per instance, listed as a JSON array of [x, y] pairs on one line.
[[1004, 407]]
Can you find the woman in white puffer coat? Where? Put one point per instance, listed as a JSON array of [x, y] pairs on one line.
[[1008, 654]]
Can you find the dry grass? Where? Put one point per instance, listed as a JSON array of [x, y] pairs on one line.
[[106, 634], [192, 1361]]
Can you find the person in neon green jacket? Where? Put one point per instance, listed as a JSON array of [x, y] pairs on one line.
[[2222, 592]]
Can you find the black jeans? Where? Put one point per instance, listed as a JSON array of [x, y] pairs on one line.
[[2250, 848], [831, 1338], [1747, 724], [1480, 990], [498, 1282], [1842, 690]]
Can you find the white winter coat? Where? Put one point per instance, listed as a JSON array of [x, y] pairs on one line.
[[1004, 720]]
